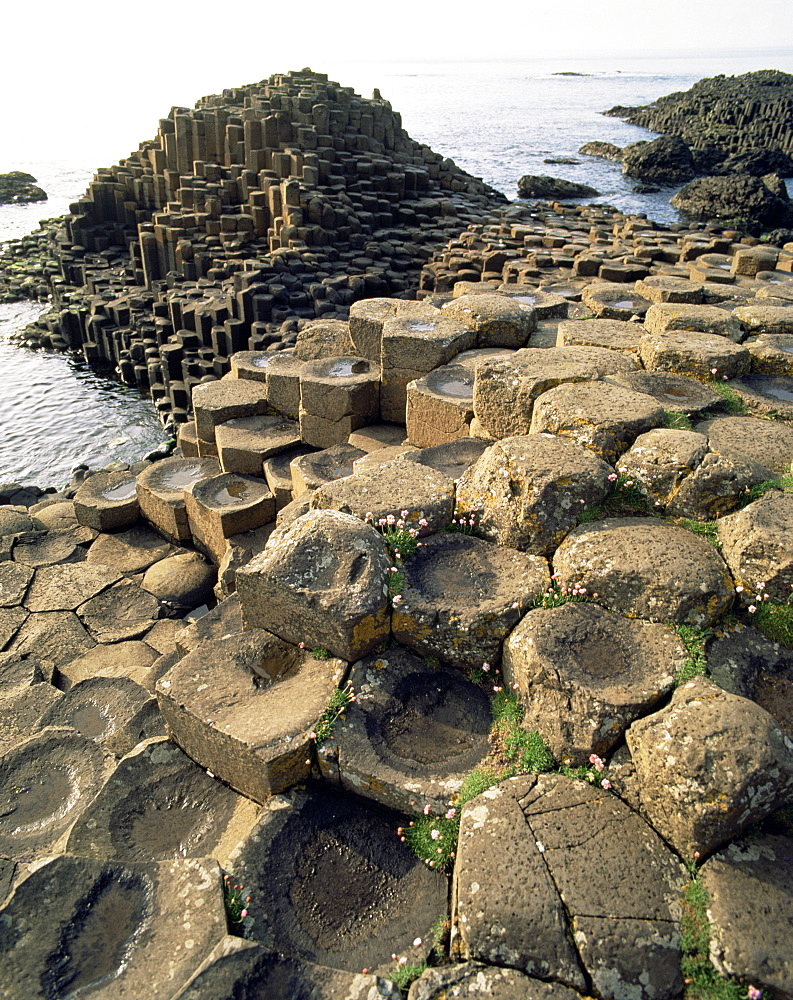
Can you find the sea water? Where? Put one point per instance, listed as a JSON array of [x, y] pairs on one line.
[[497, 120]]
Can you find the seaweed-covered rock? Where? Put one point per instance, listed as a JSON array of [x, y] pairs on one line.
[[19, 188], [542, 186]]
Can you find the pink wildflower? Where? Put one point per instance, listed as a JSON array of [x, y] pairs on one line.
[[426, 810], [435, 834], [605, 783]]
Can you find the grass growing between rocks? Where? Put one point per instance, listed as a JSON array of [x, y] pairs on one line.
[[705, 529], [733, 404], [696, 664], [676, 421], [433, 839], [339, 700], [626, 500], [236, 903], [701, 979], [775, 621], [403, 975], [556, 595], [783, 483]]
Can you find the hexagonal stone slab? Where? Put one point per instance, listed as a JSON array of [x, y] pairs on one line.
[[767, 394], [505, 389], [674, 392], [440, 406], [398, 485], [124, 611], [226, 505], [310, 471], [693, 353], [614, 300], [244, 443], [216, 402], [556, 877], [584, 674], [645, 568], [115, 931], [765, 441], [25, 694], [718, 485], [662, 458], [530, 490], [462, 596], [736, 768], [334, 885], [499, 321], [452, 458], [45, 783], [604, 418], [11, 621], [65, 588], [667, 316], [51, 548], [666, 288], [54, 636], [484, 981], [756, 544], [122, 659], [413, 733], [772, 353], [161, 489], [245, 707], [750, 884], [613, 334], [158, 805], [14, 581], [321, 580], [131, 551], [107, 501], [113, 711]]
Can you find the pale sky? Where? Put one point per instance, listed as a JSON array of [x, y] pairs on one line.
[[75, 69]]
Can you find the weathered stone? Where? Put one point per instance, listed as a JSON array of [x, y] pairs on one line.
[[11, 621], [668, 316], [584, 674], [772, 353], [756, 545], [113, 711], [512, 901], [283, 384], [440, 406], [121, 659], [747, 261], [310, 471], [107, 501], [65, 588], [499, 321], [161, 493], [542, 186], [412, 346], [505, 389], [709, 765], [674, 392], [131, 551], [718, 485], [613, 300], [450, 459], [337, 396], [666, 288], [244, 707], [603, 418], [116, 930], [546, 305], [413, 732], [216, 402], [484, 981], [124, 611], [249, 365], [666, 160], [333, 883], [612, 334], [746, 663], [244, 443], [662, 458], [220, 507], [644, 568], [770, 395], [158, 805], [528, 489], [14, 581], [324, 338], [366, 325], [738, 196], [750, 884], [45, 783], [239, 551], [53, 636], [765, 441], [399, 485], [54, 548], [322, 580], [25, 695], [181, 581], [462, 596], [691, 353]]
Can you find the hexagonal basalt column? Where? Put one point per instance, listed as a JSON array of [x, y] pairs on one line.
[[693, 353], [244, 443], [528, 491], [612, 334], [462, 596], [216, 402], [333, 883], [413, 347], [756, 545], [226, 505], [244, 707], [585, 674], [113, 930], [413, 733], [440, 406], [322, 580], [337, 396], [161, 493], [107, 501], [499, 321], [613, 300]]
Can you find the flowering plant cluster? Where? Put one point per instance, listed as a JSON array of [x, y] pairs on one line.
[[463, 522], [401, 536], [236, 905], [774, 620], [591, 773]]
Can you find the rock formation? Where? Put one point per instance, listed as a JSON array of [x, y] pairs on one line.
[[19, 188]]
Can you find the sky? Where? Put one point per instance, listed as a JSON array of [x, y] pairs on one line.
[[99, 74]]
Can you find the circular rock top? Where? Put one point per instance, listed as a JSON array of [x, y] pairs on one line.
[[169, 478], [645, 568], [107, 501]]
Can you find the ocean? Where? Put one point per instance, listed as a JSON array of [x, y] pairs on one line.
[[497, 120]]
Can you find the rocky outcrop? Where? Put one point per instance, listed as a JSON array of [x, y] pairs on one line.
[[736, 197], [541, 186], [667, 160], [605, 149], [19, 188], [734, 114]]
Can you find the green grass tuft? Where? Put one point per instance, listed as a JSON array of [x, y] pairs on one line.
[[705, 529], [696, 664], [320, 653], [775, 621], [339, 700], [783, 483], [403, 975], [702, 980], [677, 421], [626, 500], [733, 404]]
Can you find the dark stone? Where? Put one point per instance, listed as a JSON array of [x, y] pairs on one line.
[[737, 196], [19, 188], [666, 160], [541, 186]]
